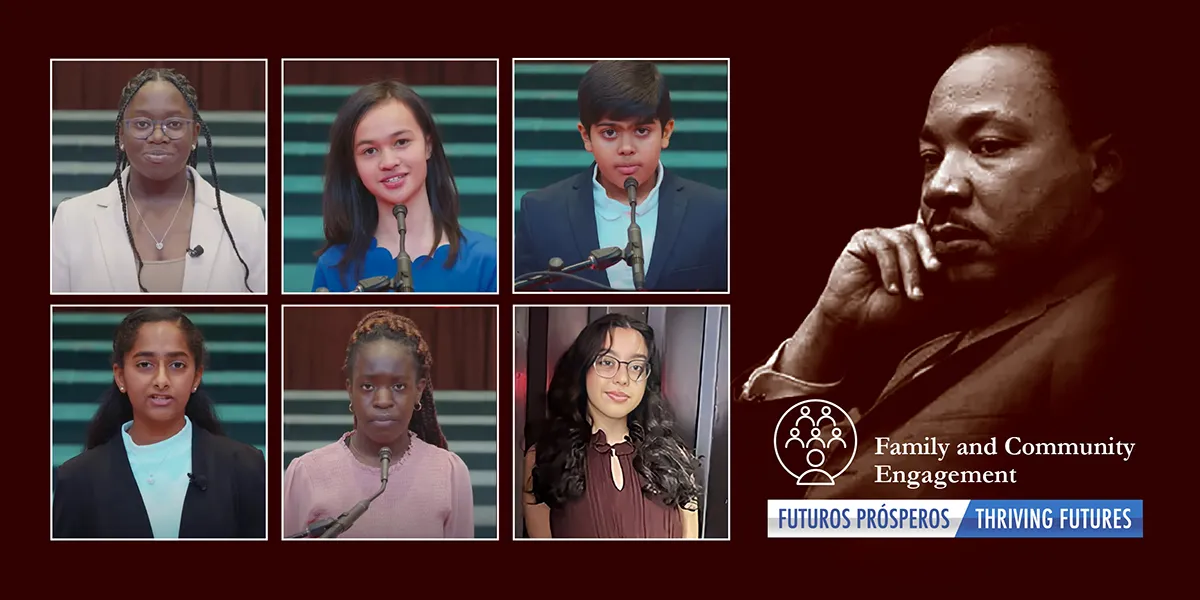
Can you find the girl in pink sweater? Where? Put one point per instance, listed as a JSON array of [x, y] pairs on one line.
[[428, 493]]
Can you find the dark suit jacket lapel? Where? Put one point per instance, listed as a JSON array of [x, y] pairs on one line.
[[914, 366], [197, 504], [581, 214], [672, 205], [122, 501], [910, 370]]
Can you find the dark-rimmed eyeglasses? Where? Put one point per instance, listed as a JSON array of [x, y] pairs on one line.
[[607, 366], [142, 127]]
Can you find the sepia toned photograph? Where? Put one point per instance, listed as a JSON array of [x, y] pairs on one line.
[[992, 313]]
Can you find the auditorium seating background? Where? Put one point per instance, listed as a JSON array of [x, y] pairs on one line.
[[463, 342], [547, 146], [236, 377], [86, 96], [463, 99]]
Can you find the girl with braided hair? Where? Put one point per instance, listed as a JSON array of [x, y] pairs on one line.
[[159, 226], [388, 378]]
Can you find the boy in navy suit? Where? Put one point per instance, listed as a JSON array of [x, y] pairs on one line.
[[625, 122]]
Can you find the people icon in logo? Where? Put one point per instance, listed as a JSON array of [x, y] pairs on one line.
[[826, 415], [827, 452], [837, 437], [794, 437], [816, 475], [804, 410], [816, 437]]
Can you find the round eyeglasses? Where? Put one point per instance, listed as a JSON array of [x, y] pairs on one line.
[[607, 366], [142, 128]]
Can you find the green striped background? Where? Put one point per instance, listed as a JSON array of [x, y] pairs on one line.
[[236, 377], [84, 156], [315, 418], [466, 116], [547, 144]]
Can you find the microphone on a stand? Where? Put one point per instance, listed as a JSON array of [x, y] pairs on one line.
[[597, 260], [634, 255], [348, 518], [385, 457], [403, 281]]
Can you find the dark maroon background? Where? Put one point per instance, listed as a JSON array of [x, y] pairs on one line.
[[824, 119]]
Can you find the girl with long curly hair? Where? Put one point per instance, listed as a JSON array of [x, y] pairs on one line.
[[608, 463]]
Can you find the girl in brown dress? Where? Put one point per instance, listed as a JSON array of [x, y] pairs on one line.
[[608, 463]]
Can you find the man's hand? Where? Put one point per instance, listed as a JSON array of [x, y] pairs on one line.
[[878, 277]]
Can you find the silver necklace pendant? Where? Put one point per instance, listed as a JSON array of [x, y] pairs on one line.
[[158, 245]]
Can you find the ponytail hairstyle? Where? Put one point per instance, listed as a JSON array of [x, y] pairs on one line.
[[115, 409]]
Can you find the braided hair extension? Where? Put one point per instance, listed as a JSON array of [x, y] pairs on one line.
[[384, 325], [189, 95]]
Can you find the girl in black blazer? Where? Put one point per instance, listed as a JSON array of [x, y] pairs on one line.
[[156, 462]]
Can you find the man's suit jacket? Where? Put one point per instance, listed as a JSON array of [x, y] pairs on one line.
[[96, 495], [91, 250], [1048, 370], [690, 244]]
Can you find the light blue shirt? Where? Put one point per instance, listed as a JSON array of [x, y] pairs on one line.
[[612, 227], [161, 471]]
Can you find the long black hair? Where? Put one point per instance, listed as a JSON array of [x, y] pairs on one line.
[[189, 95], [667, 466], [350, 211], [115, 409], [384, 325]]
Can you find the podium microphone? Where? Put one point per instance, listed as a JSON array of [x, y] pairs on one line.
[[385, 457], [345, 521], [634, 254], [403, 281]]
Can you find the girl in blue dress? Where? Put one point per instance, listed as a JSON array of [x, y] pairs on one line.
[[385, 151]]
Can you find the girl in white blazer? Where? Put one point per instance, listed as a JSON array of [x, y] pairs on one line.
[[206, 241]]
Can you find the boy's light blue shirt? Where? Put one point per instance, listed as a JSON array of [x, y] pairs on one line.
[[612, 227]]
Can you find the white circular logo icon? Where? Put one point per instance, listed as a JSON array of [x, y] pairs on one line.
[[815, 442]]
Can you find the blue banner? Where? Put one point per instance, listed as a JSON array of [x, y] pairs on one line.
[[909, 518], [1052, 519]]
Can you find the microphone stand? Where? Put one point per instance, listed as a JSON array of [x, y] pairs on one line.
[[597, 260], [403, 281], [331, 528], [633, 252], [314, 530]]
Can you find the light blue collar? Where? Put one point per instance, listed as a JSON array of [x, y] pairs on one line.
[[610, 210], [184, 437]]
